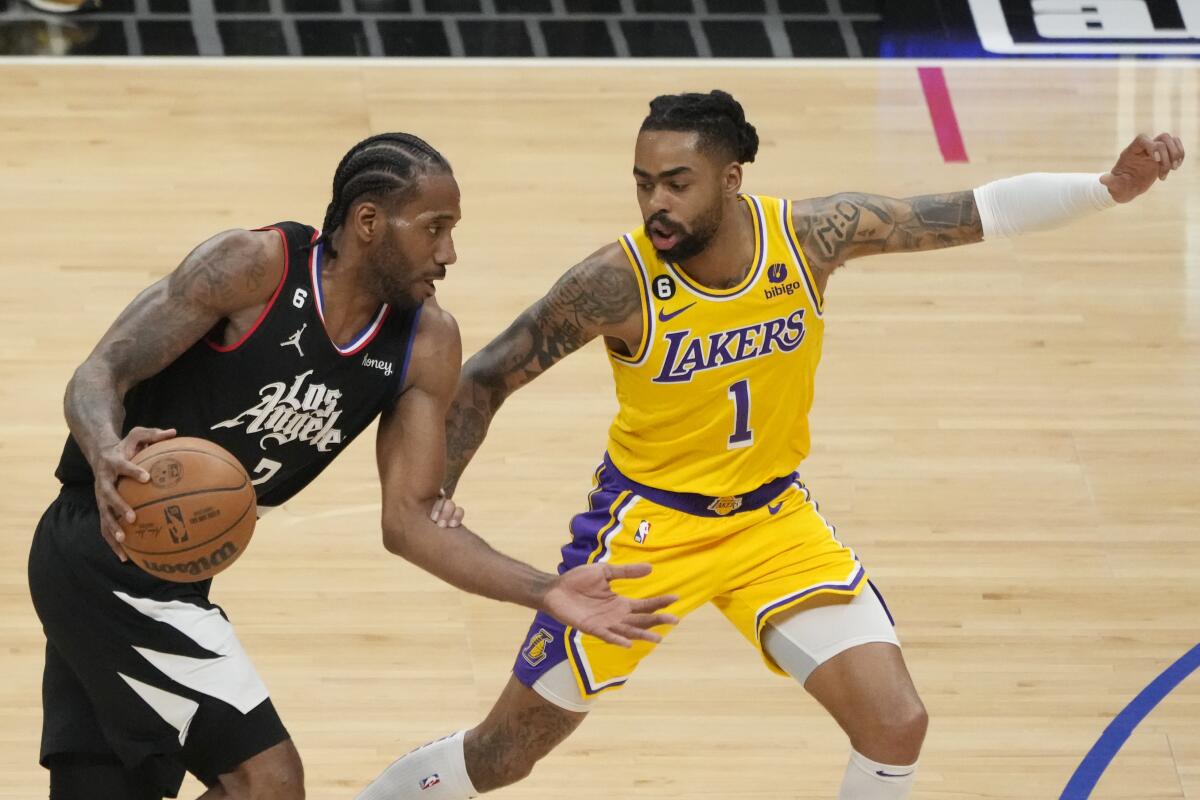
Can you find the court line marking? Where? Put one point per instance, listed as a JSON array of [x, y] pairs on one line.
[[1088, 773], [941, 113]]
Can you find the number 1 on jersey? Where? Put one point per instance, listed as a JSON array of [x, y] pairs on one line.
[[742, 436]]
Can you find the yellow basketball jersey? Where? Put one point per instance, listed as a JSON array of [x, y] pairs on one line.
[[716, 399]]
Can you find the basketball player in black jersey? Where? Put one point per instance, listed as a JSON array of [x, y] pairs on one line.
[[281, 344]]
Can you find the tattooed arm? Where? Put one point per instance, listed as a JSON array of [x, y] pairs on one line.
[[844, 226], [228, 276], [835, 229], [597, 297], [410, 452]]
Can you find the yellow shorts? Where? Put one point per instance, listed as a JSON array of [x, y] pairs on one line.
[[752, 562]]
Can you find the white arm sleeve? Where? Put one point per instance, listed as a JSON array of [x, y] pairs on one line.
[[1038, 201]]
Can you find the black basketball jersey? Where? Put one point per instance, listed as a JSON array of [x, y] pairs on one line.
[[284, 398]]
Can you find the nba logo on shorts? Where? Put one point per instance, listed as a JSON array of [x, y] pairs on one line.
[[430, 782], [535, 652], [777, 273], [643, 532]]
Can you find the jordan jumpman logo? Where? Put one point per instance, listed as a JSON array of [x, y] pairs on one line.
[[294, 340]]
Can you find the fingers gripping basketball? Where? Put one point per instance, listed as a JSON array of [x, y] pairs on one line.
[[195, 515]]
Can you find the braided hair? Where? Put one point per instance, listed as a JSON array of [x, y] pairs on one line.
[[716, 116], [384, 164]]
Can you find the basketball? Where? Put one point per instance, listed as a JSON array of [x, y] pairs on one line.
[[196, 513]]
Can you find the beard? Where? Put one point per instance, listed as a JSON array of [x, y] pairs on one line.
[[392, 277], [690, 243]]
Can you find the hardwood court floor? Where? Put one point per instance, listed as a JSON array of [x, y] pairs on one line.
[[1006, 433]]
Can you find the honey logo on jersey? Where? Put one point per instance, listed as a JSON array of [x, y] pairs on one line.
[[378, 363], [534, 653], [688, 354], [304, 413]]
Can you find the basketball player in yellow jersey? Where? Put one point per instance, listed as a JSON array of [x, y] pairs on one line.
[[713, 316]]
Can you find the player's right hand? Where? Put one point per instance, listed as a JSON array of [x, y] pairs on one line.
[[110, 464]]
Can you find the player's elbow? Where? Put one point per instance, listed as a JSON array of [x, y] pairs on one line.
[[91, 377], [395, 539], [405, 523]]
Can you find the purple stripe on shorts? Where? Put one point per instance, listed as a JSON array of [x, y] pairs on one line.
[[882, 602], [545, 644], [843, 587], [588, 689]]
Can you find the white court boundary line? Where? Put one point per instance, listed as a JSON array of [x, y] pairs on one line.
[[275, 62]]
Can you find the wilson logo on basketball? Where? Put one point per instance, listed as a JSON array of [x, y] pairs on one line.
[[304, 413], [197, 566]]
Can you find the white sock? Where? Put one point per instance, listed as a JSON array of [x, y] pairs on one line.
[[436, 771], [869, 780]]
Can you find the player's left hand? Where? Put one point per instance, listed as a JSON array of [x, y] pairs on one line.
[[445, 513], [582, 598], [1144, 161]]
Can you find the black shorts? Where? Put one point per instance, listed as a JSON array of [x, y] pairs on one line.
[[138, 667]]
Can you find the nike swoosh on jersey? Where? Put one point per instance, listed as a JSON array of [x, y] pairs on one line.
[[663, 316], [774, 509]]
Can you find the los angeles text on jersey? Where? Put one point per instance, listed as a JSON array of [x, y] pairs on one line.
[[688, 354], [296, 413]]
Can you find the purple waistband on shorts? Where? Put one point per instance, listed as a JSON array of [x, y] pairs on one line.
[[701, 505]]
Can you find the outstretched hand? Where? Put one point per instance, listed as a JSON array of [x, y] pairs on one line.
[[583, 599], [1141, 163]]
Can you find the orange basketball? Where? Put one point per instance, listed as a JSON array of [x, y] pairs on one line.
[[195, 514]]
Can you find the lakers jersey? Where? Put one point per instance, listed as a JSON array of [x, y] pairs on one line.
[[716, 399]]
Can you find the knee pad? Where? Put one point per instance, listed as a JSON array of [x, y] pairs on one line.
[[558, 686], [801, 640]]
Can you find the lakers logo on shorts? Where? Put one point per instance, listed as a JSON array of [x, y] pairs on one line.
[[723, 506], [535, 652]]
